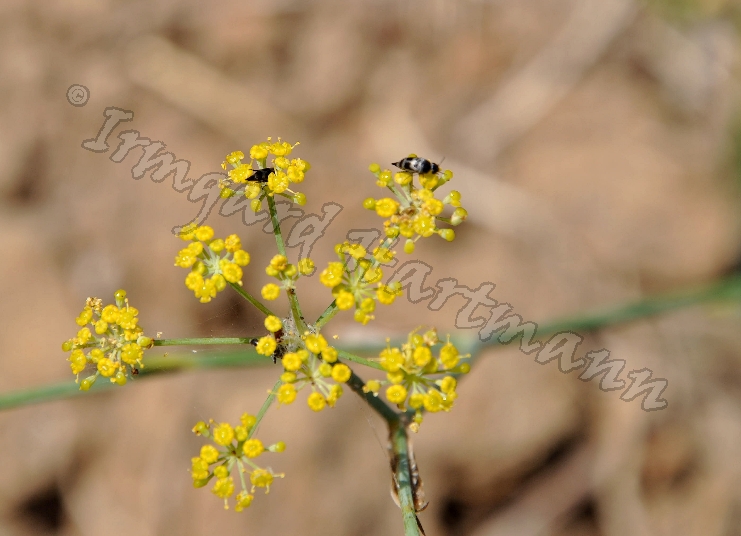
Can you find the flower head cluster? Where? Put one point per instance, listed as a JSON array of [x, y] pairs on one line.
[[308, 360], [415, 213], [356, 279], [258, 178], [213, 262], [417, 378], [234, 448], [110, 341], [286, 274]]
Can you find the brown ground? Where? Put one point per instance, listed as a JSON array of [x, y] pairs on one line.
[[593, 142]]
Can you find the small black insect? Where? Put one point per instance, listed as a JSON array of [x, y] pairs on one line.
[[415, 164], [261, 175], [279, 352]]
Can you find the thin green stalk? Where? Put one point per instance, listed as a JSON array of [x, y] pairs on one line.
[[264, 409], [276, 226], [725, 290], [360, 360], [403, 478], [298, 316], [327, 315], [247, 296], [203, 341], [153, 366]]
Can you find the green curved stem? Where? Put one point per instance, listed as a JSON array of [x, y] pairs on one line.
[[327, 315], [153, 366], [265, 406], [379, 406], [298, 316], [203, 341], [402, 477], [359, 360], [247, 296]]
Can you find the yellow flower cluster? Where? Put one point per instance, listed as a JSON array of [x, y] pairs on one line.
[[213, 262], [258, 179], [286, 273], [110, 340], [235, 448], [357, 279], [415, 212], [314, 363], [409, 372]]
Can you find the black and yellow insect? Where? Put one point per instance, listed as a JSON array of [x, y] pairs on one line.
[[261, 175], [416, 164]]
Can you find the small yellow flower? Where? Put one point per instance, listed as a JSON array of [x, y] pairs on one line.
[[266, 345], [325, 370], [204, 233], [292, 361], [231, 271], [273, 323], [223, 434], [372, 386], [131, 353], [329, 354], [232, 243], [209, 454], [315, 343], [286, 393], [396, 394], [433, 401], [391, 359], [316, 401], [422, 356], [77, 361], [253, 448], [306, 266], [386, 207], [386, 295], [332, 275], [106, 367], [345, 300], [416, 400], [224, 488], [258, 152], [448, 384], [271, 291], [341, 373], [243, 499], [260, 478], [449, 356]]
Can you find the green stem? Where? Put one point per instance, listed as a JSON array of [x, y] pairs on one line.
[[359, 360], [203, 341], [154, 366], [725, 290], [247, 296], [276, 226], [264, 409], [327, 315], [403, 478], [298, 317], [379, 406]]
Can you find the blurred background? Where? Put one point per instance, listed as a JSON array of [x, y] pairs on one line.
[[597, 145]]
